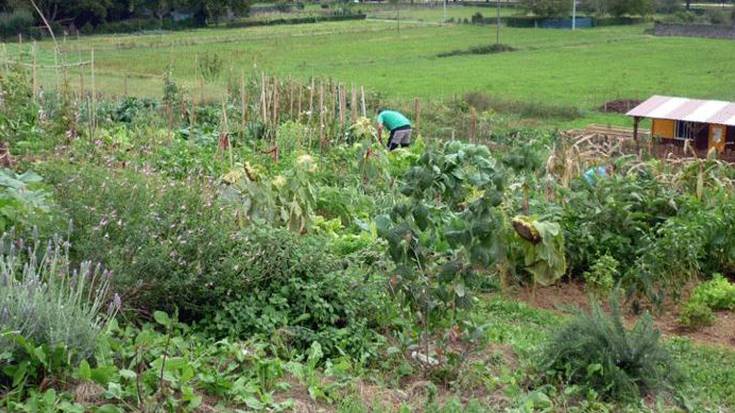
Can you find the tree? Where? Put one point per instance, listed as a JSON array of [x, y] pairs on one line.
[[547, 8], [630, 7], [206, 11]]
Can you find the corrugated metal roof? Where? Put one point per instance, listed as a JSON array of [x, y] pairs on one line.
[[691, 110]]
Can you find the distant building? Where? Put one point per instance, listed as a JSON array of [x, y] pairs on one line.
[[707, 124]]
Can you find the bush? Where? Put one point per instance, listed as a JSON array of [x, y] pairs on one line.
[[16, 22], [716, 294], [479, 50], [47, 303], [596, 351], [696, 315], [717, 17], [23, 203], [167, 243], [545, 8], [667, 6], [601, 277], [293, 288]]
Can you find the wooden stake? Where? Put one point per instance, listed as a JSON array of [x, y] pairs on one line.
[[94, 95], [416, 113], [34, 73], [300, 96], [321, 112], [362, 101], [81, 85], [290, 98], [353, 104], [311, 100], [276, 103], [125, 85], [201, 90], [263, 101], [341, 99], [193, 113], [243, 103]]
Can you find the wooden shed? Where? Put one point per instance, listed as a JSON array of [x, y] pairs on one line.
[[707, 124]]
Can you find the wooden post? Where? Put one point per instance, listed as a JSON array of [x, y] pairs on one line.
[[636, 122], [321, 112], [362, 101], [290, 98], [34, 73], [276, 103], [416, 113], [342, 105], [311, 100], [81, 85], [263, 100], [94, 95], [353, 104], [20, 39], [193, 112], [473, 124], [201, 90], [243, 103], [300, 96], [125, 86]]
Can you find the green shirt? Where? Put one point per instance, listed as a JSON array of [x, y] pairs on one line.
[[392, 119]]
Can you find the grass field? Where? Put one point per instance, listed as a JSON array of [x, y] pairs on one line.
[[584, 68]]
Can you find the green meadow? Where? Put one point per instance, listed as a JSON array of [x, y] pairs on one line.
[[582, 68]]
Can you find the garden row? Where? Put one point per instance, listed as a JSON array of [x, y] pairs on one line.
[[162, 258]]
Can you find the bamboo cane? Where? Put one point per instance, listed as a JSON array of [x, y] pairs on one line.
[[353, 104]]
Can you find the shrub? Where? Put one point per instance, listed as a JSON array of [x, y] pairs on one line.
[[479, 50], [16, 22], [601, 277], [18, 112], [596, 351], [22, 202], [696, 314], [717, 294], [166, 242], [667, 6], [47, 303], [292, 287]]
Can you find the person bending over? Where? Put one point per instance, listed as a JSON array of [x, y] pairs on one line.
[[399, 127]]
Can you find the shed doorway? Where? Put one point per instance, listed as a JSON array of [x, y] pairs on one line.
[[698, 132]]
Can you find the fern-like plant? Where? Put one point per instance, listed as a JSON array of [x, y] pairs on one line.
[[595, 350]]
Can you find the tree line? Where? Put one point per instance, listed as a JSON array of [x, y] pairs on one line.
[[81, 13]]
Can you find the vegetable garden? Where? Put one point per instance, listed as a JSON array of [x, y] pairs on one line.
[[266, 253]]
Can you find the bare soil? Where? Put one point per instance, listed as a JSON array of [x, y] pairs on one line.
[[561, 297], [619, 105]]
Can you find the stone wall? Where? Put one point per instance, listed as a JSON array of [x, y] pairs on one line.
[[695, 30]]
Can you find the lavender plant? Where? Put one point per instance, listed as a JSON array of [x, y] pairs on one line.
[[46, 302]]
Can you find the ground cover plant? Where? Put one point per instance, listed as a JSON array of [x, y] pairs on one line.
[[258, 256]]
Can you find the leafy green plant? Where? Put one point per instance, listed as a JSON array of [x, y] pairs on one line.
[[596, 350], [600, 279], [19, 123], [22, 202], [297, 289], [696, 314], [717, 293], [543, 249], [209, 65], [286, 200], [447, 227]]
